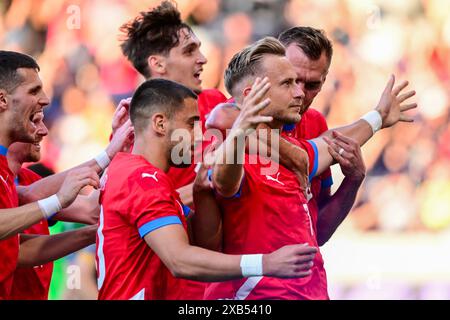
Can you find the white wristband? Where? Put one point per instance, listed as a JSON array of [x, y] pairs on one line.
[[251, 265], [103, 160], [50, 206], [374, 119]]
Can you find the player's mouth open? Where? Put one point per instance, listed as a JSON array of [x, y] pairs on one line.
[[197, 75]]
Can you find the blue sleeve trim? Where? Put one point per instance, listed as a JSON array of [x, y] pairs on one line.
[[316, 160], [16, 181], [158, 223], [3, 150], [327, 183], [237, 195], [186, 210]]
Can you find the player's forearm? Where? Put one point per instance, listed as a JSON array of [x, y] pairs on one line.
[[186, 194], [360, 131], [50, 185], [207, 221], [85, 210], [228, 168], [199, 264], [332, 213], [41, 249], [15, 220]]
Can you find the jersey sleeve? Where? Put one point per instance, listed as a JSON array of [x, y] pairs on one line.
[[313, 156], [153, 206]]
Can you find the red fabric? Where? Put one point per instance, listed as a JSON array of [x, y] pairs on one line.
[[207, 100], [9, 248], [263, 217], [32, 283], [130, 200]]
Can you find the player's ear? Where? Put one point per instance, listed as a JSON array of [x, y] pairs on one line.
[[246, 91], [159, 123], [157, 65], [3, 100]]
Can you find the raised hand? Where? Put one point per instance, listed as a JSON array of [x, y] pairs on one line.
[[253, 104], [393, 104], [122, 139], [291, 261], [121, 115], [75, 180]]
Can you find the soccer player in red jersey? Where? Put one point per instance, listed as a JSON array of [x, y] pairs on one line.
[[273, 205], [160, 45], [33, 274], [21, 101], [142, 244]]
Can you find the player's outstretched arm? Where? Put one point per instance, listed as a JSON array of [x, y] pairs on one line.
[[50, 185], [36, 250], [15, 220], [390, 110], [228, 168], [185, 261]]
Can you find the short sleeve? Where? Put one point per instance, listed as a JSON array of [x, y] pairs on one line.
[[153, 205]]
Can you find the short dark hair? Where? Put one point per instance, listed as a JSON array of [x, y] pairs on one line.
[[247, 61], [313, 42], [152, 32], [157, 95], [10, 61]]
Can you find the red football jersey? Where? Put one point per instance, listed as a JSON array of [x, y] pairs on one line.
[[136, 199], [270, 211], [32, 283], [9, 248], [207, 100], [311, 126]]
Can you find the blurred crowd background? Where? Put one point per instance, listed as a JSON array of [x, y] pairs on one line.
[[394, 244]]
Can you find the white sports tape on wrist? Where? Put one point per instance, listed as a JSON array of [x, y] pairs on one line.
[[103, 160], [50, 206], [374, 119], [251, 265]]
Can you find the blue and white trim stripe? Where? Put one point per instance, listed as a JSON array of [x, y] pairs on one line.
[[158, 223], [316, 160]]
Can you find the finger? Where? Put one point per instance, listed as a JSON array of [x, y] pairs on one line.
[[261, 106], [261, 93], [346, 140], [336, 156], [261, 119], [304, 259], [406, 95], [253, 88], [407, 107], [406, 118], [306, 250], [400, 87], [302, 274], [260, 86], [389, 85], [305, 266]]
